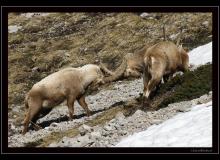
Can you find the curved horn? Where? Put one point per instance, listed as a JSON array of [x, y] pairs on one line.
[[164, 34], [119, 72], [105, 69], [179, 38]]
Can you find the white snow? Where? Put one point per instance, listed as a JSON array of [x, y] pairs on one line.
[[30, 15], [201, 55], [13, 29], [189, 129]]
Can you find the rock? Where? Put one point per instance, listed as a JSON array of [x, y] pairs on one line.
[[84, 129], [205, 23], [144, 15], [16, 109], [194, 102], [156, 121], [139, 113], [123, 132], [49, 128], [112, 121], [177, 73], [95, 135], [204, 99], [184, 109], [54, 124], [35, 69], [67, 54], [120, 116], [53, 145], [104, 133], [108, 128], [84, 141], [173, 36]]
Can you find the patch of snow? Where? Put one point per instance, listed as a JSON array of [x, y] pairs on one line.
[[201, 55], [13, 29], [30, 15], [190, 129]]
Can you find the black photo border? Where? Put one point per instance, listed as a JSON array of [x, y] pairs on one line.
[[138, 150]]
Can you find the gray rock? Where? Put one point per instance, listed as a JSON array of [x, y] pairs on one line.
[[139, 113], [120, 116], [205, 98], [54, 124], [205, 23], [144, 15], [53, 145], [85, 129], [108, 128], [123, 132], [173, 36], [35, 69], [84, 140], [184, 109], [95, 135]]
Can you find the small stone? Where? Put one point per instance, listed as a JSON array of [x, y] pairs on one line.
[[96, 135], [184, 109], [54, 124], [204, 99], [104, 133], [35, 69], [53, 145], [156, 121], [123, 132], [108, 128], [67, 54], [84, 140], [84, 129], [205, 23], [112, 121], [144, 15], [120, 116]]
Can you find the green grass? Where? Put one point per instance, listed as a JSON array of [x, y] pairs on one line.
[[189, 86]]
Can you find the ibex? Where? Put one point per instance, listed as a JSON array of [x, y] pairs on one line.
[[162, 59], [132, 65], [67, 84]]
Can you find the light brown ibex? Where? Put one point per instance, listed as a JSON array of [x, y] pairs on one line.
[[132, 65], [162, 59], [67, 84]]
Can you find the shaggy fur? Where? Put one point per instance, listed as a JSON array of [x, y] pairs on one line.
[[162, 59], [67, 84]]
